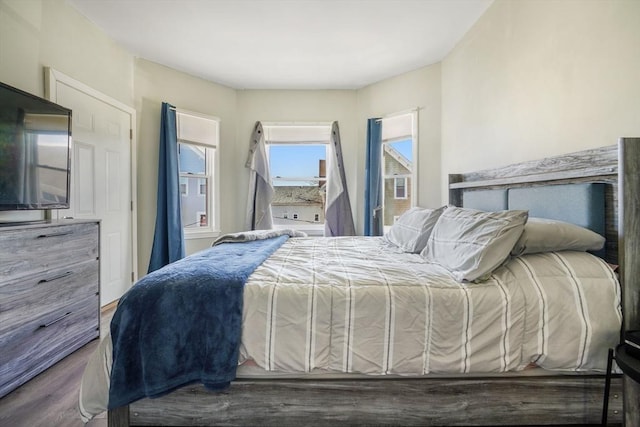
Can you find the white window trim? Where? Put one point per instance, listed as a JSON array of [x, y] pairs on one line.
[[395, 187], [414, 140], [311, 229], [213, 171]]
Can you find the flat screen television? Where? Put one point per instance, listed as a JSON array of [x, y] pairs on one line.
[[35, 143]]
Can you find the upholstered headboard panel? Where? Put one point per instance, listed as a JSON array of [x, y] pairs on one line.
[[580, 204], [486, 200]]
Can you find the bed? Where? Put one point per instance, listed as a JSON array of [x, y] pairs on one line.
[[406, 353]]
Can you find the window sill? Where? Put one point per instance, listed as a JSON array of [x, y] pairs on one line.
[[194, 235], [310, 230]]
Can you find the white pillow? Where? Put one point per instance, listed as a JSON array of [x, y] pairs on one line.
[[472, 243], [548, 235], [412, 229]]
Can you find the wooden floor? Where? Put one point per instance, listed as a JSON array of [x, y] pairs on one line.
[[51, 398]]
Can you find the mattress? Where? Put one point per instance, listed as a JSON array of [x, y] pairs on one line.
[[357, 305]]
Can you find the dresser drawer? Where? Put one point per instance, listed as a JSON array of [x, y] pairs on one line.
[[37, 345], [34, 250], [35, 297]]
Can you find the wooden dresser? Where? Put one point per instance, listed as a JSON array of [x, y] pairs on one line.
[[49, 295]]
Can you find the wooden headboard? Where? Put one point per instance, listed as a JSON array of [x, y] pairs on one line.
[[616, 166], [591, 166]]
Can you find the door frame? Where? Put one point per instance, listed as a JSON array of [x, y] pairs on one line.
[[51, 78]]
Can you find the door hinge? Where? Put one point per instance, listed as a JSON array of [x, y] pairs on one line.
[[132, 277], [131, 134], [132, 206]]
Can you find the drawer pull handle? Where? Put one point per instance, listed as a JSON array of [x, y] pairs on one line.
[[63, 233], [59, 276], [56, 320]]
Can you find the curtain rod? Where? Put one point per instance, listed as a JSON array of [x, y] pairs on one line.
[[194, 113], [311, 141], [296, 123], [399, 113]]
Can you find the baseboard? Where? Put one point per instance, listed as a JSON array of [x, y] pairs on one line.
[[112, 305]]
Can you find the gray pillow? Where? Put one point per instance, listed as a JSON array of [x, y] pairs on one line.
[[548, 235], [412, 229], [472, 243]]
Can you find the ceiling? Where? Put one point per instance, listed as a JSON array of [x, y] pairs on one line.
[[287, 44]]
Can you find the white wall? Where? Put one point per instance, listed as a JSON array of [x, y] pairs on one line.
[[49, 33], [39, 33], [417, 89], [538, 78], [155, 84]]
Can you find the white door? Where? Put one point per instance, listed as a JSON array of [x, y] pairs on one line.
[[101, 179]]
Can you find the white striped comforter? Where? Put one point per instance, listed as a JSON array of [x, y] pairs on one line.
[[353, 305]]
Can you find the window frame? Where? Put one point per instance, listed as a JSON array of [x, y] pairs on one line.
[[413, 178], [211, 175], [396, 180], [316, 228]]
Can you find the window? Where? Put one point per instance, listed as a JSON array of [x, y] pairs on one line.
[[399, 152], [297, 162], [198, 141], [400, 185]]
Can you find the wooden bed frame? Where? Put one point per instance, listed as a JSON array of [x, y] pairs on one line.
[[508, 400]]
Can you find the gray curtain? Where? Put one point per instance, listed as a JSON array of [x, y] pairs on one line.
[[261, 191], [338, 217]]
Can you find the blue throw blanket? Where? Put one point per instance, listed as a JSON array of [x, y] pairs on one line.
[[182, 323]]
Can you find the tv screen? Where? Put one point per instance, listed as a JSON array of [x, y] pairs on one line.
[[35, 138]]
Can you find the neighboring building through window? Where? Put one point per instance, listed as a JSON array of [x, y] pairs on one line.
[[198, 141], [399, 146], [297, 161]]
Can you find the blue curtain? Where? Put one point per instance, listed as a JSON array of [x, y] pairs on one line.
[[338, 217], [168, 240], [373, 176]]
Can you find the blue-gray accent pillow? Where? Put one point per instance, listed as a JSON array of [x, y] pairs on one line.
[[548, 235]]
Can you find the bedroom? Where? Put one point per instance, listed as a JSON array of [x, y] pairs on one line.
[[529, 80]]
